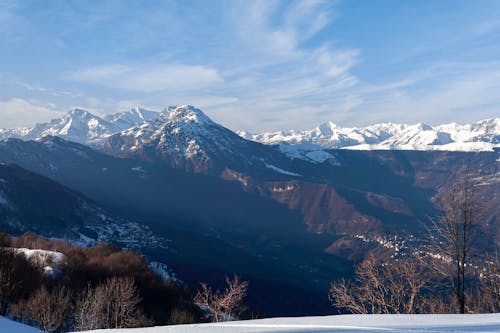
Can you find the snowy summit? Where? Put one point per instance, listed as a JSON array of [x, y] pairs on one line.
[[480, 136]]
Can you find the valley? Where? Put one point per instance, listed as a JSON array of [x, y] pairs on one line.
[[187, 192]]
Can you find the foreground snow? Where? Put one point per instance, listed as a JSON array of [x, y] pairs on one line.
[[9, 326], [344, 323]]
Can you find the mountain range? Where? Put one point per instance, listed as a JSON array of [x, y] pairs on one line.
[[81, 126], [480, 136], [290, 216]]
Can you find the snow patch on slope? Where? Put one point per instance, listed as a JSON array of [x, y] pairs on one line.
[[309, 152], [50, 261], [455, 146], [272, 167], [163, 271]]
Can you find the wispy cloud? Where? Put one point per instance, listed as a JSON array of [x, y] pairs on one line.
[[143, 78], [47, 91], [440, 92], [15, 111], [257, 65]]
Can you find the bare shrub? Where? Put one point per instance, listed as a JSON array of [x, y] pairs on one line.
[[392, 287], [489, 299], [223, 305], [49, 310], [18, 277], [112, 304], [94, 265], [4, 239]]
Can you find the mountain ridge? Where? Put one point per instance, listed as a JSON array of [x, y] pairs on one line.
[[84, 127], [483, 135], [184, 137], [81, 126]]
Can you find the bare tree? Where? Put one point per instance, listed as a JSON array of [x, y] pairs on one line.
[[86, 312], [18, 277], [454, 233], [223, 305], [4, 239], [382, 287], [490, 285], [113, 304], [48, 309], [8, 283]]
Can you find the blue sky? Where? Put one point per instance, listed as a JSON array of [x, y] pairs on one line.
[[253, 65]]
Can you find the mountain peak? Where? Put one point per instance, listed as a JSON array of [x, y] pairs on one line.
[[185, 113], [423, 127], [183, 137], [130, 118], [77, 112], [327, 128]]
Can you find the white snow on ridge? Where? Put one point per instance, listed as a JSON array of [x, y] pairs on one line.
[[81, 126], [272, 167], [341, 323], [309, 152], [480, 136], [454, 146], [319, 156], [130, 118]]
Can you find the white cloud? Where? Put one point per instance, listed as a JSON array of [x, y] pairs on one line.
[[440, 93], [17, 112], [261, 68], [147, 79], [256, 65]]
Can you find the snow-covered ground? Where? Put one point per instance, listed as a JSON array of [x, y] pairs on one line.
[[344, 323], [9, 326], [484, 323]]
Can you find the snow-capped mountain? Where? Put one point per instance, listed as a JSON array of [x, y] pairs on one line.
[[270, 211], [81, 126], [127, 119], [184, 137], [77, 125], [480, 136]]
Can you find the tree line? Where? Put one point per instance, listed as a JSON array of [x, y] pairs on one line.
[[96, 287], [457, 270]]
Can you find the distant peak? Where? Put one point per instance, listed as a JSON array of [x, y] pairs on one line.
[[327, 128], [424, 127], [136, 110], [78, 112]]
